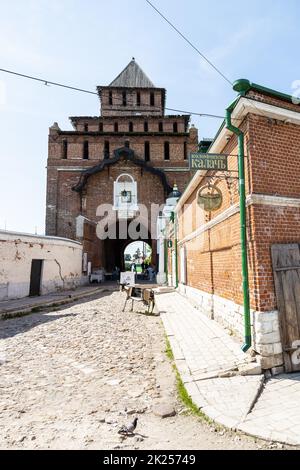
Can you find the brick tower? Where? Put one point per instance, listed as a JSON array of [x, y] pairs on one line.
[[131, 142]]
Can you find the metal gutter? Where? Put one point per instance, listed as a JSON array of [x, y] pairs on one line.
[[243, 225]]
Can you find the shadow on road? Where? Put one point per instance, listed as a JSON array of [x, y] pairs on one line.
[[18, 325]]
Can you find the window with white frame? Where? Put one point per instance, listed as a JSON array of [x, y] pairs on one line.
[[125, 196], [183, 265]]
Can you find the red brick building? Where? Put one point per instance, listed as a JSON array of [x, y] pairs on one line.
[[209, 243], [131, 144]]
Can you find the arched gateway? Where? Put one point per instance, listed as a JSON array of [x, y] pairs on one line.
[[106, 175]]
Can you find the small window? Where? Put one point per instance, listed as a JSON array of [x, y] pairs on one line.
[[147, 151], [167, 151], [146, 127], [160, 127], [127, 144], [124, 98], [185, 150], [65, 149], [116, 127], [86, 128], [106, 149], [131, 127], [138, 98], [175, 127], [85, 150], [110, 98], [100, 126], [152, 99]]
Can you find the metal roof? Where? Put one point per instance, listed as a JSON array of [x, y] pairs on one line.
[[132, 77]]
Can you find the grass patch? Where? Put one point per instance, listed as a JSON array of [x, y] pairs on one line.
[[183, 394], [188, 402], [168, 350]]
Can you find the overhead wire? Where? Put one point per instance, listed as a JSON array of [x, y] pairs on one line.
[[115, 99]]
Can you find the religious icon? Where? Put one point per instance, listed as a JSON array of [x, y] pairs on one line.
[[126, 196]]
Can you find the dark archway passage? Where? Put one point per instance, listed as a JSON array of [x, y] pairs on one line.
[[113, 249]]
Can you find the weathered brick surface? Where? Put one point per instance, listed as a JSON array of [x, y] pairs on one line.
[[64, 205], [214, 256]]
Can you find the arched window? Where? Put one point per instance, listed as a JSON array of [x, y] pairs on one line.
[[65, 149], [167, 151], [86, 150], [106, 149], [152, 99], [147, 151], [125, 196]]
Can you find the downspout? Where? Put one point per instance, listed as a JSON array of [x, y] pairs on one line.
[[243, 225], [175, 247], [176, 251], [166, 259]]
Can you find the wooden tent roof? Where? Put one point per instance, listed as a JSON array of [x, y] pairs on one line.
[[132, 77]]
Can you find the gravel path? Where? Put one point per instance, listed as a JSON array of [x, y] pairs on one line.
[[70, 378]]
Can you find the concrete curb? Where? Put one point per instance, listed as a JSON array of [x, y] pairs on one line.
[[37, 307]]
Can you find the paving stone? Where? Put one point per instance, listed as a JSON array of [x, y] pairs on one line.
[[164, 410]]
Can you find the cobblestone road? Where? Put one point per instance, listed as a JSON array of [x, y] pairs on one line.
[[70, 378]]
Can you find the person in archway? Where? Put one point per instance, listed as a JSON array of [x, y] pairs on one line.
[[151, 272], [133, 268], [116, 273]]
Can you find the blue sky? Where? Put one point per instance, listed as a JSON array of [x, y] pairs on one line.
[[87, 43]]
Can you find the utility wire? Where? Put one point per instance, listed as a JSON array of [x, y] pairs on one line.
[[190, 43], [48, 82], [201, 54]]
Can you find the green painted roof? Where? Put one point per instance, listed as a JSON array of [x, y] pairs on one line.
[[243, 86]]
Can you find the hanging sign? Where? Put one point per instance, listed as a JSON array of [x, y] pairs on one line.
[[210, 198], [208, 161]]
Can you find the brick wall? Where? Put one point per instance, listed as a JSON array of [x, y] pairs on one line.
[[272, 168]]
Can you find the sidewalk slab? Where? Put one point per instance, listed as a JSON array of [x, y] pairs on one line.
[[202, 351], [276, 415], [203, 343], [230, 399], [266, 409]]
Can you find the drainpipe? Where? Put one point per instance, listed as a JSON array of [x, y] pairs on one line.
[[243, 225], [175, 248], [166, 259]]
